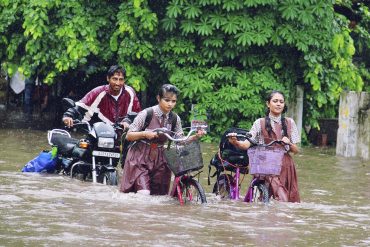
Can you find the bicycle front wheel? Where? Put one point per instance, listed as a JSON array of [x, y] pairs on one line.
[[265, 196], [222, 186], [192, 191], [260, 192]]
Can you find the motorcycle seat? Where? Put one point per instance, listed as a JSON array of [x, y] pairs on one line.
[[64, 143]]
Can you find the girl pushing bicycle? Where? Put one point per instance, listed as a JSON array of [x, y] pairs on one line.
[[145, 170], [275, 127]]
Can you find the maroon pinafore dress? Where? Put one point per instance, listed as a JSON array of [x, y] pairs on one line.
[[146, 167], [288, 175]]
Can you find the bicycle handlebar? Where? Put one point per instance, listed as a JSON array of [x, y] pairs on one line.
[[239, 135], [249, 135], [273, 142], [167, 133]]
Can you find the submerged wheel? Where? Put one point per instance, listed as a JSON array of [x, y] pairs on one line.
[[222, 186], [192, 192], [260, 192], [110, 178], [79, 170], [264, 193]]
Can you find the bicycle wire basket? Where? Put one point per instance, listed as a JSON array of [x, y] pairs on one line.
[[184, 157], [265, 160]]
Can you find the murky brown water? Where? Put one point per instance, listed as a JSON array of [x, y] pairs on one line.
[[52, 210]]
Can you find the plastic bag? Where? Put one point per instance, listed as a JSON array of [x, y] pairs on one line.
[[44, 162]]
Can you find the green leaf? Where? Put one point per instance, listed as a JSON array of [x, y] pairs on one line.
[[204, 27], [173, 10], [188, 26], [231, 26], [289, 10], [217, 20], [169, 24], [192, 11], [214, 73], [231, 5]]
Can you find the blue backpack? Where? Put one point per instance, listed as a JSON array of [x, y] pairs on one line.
[[44, 162]]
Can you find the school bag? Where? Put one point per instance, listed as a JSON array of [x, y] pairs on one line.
[[229, 154], [126, 145]]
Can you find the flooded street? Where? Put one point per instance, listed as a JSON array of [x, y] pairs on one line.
[[53, 210]]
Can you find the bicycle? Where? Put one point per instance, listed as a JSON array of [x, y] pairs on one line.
[[184, 158], [258, 161], [229, 162], [265, 162]]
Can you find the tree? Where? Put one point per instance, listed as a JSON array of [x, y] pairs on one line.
[[59, 37], [223, 55]]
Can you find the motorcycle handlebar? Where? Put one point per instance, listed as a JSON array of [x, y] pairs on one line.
[[77, 122]]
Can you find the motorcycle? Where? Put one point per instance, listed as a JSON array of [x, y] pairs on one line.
[[94, 156]]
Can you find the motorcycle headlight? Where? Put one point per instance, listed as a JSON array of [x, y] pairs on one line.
[[105, 142]]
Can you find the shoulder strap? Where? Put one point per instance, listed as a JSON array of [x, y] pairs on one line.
[[148, 118], [173, 118], [289, 126]]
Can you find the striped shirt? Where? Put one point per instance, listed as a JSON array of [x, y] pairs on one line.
[[256, 130]]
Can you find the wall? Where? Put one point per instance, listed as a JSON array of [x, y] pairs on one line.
[[353, 139], [295, 108]]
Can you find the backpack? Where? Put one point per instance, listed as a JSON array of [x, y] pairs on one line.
[[126, 145], [230, 154]]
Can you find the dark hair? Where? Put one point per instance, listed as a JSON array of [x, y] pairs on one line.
[[268, 121], [116, 69], [168, 88]]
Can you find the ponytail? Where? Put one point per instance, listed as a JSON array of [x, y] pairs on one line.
[[268, 123], [284, 126]]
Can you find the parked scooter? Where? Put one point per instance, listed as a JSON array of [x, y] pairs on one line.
[[93, 157]]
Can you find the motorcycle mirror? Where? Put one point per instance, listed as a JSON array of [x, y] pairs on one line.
[[67, 103]]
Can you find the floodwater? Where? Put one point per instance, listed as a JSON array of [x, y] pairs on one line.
[[53, 210]]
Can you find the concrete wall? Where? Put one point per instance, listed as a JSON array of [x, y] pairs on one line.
[[353, 139], [364, 129], [295, 108]]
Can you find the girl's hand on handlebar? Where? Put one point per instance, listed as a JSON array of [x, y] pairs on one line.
[[286, 140], [292, 147], [200, 133], [150, 135], [232, 138]]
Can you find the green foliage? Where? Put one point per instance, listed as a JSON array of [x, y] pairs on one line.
[[223, 55], [58, 37], [241, 49], [361, 36]]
